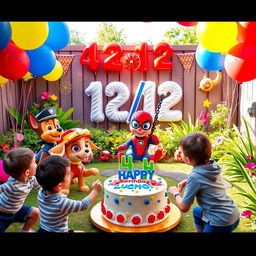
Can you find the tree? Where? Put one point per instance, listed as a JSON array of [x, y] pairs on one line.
[[181, 35], [76, 37], [108, 33]]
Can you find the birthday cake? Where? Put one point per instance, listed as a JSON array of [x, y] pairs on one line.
[[135, 198]]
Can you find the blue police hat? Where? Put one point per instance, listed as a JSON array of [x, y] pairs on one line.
[[47, 113]]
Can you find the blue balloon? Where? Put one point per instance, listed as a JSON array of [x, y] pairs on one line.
[[5, 34], [58, 36], [210, 61], [42, 60]]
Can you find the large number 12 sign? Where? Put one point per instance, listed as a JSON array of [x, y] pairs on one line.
[[95, 90]]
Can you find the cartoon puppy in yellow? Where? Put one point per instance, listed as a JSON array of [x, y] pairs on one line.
[[48, 130], [76, 145]]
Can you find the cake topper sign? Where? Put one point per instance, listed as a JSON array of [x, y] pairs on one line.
[[146, 173]]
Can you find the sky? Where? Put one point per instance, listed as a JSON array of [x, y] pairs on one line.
[[135, 31]]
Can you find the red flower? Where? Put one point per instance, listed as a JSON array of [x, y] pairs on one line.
[[250, 166], [246, 214], [45, 96], [3, 145]]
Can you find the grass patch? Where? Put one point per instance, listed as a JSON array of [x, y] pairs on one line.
[[81, 220]]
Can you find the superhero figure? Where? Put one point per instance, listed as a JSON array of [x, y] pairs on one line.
[[141, 127]]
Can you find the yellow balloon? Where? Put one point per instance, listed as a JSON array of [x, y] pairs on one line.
[[3, 81], [56, 73], [27, 76], [217, 36], [29, 35]]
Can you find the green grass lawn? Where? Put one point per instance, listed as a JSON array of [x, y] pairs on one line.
[[81, 220]]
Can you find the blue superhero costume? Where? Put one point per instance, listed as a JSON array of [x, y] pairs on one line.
[[139, 146]]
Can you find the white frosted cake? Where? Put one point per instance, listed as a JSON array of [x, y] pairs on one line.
[[135, 198]]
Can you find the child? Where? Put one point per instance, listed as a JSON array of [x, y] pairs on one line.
[[20, 164], [53, 173], [216, 212]]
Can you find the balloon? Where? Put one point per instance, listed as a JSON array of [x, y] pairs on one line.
[[14, 62], [163, 62], [56, 73], [165, 114], [246, 32], [3, 80], [27, 76], [217, 36], [58, 36], [112, 62], [240, 62], [188, 23], [112, 108], [5, 34], [210, 61], [207, 84], [29, 35], [42, 60], [95, 91]]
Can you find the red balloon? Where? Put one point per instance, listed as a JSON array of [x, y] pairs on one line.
[[247, 32], [112, 62], [163, 62], [188, 23], [240, 62], [14, 62]]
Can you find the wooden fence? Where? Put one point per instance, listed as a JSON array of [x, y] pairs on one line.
[[80, 76]]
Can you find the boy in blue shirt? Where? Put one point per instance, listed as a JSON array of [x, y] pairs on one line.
[[217, 212]]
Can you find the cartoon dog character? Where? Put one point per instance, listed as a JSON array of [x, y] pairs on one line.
[[48, 130], [76, 145]]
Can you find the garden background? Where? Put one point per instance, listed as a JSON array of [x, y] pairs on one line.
[[229, 99]]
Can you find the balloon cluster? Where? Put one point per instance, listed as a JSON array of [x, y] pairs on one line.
[[229, 45], [27, 50]]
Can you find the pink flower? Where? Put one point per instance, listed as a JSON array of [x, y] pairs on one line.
[[219, 140], [8, 138], [250, 166], [45, 95], [246, 214], [249, 157], [6, 148], [19, 136]]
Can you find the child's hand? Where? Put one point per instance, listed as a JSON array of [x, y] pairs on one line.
[[97, 185], [173, 190], [181, 185]]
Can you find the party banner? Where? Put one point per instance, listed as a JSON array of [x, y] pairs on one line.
[[186, 60], [65, 61]]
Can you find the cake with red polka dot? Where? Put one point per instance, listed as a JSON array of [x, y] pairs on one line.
[[135, 198]]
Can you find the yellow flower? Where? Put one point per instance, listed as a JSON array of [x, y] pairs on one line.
[[111, 139], [53, 97], [119, 140]]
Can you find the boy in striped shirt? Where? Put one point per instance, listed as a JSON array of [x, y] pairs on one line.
[[20, 164], [53, 174]]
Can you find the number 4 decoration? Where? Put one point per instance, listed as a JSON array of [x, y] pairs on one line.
[[89, 57]]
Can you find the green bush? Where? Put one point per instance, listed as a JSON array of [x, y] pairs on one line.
[[239, 162], [108, 139]]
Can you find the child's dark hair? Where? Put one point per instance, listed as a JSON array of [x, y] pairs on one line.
[[17, 161], [51, 171], [197, 146]]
